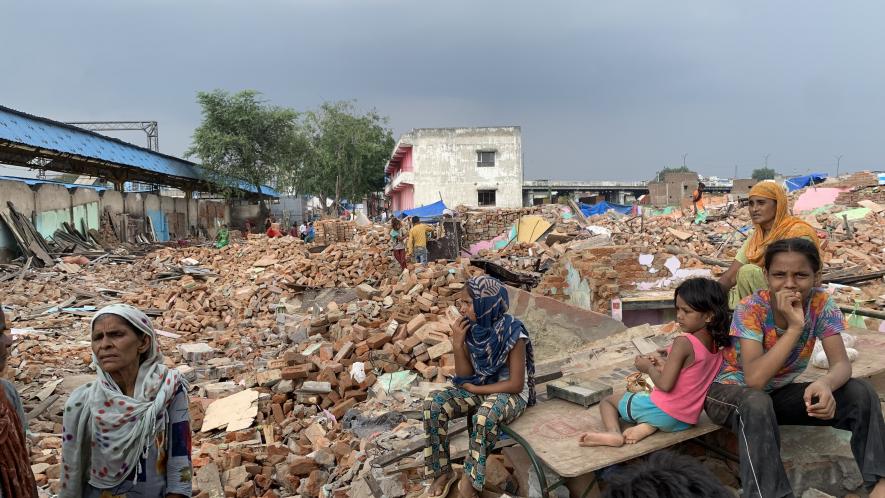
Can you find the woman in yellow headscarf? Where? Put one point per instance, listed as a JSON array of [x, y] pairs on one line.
[[770, 213]]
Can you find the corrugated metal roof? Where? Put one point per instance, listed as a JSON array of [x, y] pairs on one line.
[[43, 133], [37, 181]]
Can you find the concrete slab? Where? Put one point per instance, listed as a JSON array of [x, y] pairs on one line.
[[557, 328], [819, 458]]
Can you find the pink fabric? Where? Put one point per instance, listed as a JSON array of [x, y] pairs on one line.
[[686, 400], [814, 198]]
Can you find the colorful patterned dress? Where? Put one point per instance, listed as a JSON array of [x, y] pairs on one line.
[[754, 319]]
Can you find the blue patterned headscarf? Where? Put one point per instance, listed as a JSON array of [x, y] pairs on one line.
[[493, 335]]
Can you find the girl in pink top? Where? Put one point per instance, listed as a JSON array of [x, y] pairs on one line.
[[681, 379]]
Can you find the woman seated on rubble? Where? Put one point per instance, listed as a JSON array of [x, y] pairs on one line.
[[273, 230], [127, 433], [773, 335], [769, 211], [681, 381], [494, 382], [16, 478]]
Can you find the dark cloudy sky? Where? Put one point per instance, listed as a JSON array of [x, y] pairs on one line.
[[602, 90]]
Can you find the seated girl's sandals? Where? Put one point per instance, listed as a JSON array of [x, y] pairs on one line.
[[637, 382]]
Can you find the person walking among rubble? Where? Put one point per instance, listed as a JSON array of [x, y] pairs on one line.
[[16, 478], [774, 332], [697, 202], [494, 381], [302, 230], [127, 433], [681, 381], [222, 238], [396, 238], [311, 233], [769, 211], [416, 246]]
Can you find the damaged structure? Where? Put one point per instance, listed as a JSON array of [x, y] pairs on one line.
[[478, 167], [309, 362]]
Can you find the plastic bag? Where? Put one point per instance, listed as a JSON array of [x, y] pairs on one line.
[[358, 372], [855, 320]]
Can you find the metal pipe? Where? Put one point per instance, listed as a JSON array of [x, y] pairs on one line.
[[863, 312]]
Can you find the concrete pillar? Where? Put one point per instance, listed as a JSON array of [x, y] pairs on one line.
[[188, 195]]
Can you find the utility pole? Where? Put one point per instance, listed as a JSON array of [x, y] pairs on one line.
[[838, 161], [766, 160], [735, 171], [683, 159]]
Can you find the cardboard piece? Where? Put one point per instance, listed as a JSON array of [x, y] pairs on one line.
[[235, 412]]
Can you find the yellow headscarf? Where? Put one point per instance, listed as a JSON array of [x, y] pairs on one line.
[[785, 225]]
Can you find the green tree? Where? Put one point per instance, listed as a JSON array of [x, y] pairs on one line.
[[660, 174], [760, 174], [243, 138], [346, 153]]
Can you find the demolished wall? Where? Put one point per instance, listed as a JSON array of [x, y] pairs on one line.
[[49, 206]]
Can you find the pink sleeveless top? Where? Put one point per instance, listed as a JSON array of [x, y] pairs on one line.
[[686, 400]]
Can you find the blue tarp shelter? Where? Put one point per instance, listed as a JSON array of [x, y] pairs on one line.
[[603, 207], [428, 211], [804, 181]]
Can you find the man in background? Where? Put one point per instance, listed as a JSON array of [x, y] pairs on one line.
[[417, 244]]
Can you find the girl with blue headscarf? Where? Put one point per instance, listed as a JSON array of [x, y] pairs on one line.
[[494, 382]]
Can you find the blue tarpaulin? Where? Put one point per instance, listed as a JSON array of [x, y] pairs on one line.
[[428, 211], [804, 181], [603, 207]]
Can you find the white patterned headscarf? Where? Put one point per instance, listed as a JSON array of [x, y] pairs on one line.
[[106, 433]]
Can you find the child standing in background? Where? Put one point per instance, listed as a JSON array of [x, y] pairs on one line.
[[396, 238], [682, 380]]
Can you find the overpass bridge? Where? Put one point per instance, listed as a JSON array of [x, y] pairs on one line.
[[619, 192]]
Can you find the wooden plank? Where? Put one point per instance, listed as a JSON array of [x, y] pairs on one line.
[[395, 456], [553, 428], [39, 409], [579, 215]]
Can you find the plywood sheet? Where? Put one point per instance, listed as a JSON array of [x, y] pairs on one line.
[[553, 428]]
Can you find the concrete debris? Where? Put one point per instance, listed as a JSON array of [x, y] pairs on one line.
[[284, 342]]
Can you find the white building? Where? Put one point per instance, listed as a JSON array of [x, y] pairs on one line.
[[476, 167]]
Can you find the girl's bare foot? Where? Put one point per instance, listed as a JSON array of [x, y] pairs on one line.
[[439, 485], [639, 432], [601, 439], [465, 487]]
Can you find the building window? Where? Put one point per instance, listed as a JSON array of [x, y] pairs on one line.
[[485, 198], [485, 158]]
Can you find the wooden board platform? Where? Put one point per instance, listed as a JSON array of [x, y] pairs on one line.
[[553, 427]]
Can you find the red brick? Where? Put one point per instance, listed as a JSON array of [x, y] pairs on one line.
[[341, 408], [297, 372], [302, 466], [376, 341]]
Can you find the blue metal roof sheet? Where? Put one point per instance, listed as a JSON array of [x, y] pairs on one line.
[[43, 133], [37, 181]]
